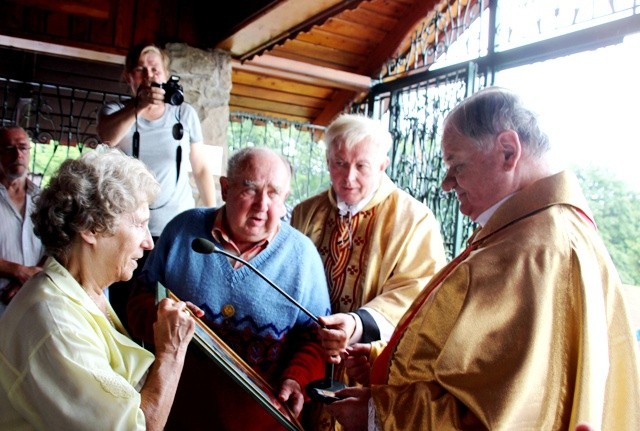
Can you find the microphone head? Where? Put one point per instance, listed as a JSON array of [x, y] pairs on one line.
[[201, 245]]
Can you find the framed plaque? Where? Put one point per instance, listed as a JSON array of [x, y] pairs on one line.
[[233, 365]]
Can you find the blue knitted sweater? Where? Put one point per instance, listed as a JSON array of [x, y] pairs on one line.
[[265, 329]]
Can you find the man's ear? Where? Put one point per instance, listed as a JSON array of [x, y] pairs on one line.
[[284, 205], [385, 163], [510, 147], [224, 187]]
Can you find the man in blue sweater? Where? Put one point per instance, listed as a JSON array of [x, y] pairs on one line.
[[262, 326]]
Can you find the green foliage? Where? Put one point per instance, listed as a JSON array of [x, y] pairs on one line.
[[46, 158], [616, 209]]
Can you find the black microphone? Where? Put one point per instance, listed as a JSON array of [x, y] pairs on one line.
[[322, 390]]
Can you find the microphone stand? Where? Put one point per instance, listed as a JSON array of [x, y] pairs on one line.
[[323, 389]]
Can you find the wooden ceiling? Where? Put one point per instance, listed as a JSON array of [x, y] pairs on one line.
[[302, 60], [311, 70]]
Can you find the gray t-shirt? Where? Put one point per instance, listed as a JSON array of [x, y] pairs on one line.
[[158, 150]]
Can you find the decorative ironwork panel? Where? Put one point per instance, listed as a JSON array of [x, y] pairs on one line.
[[462, 31], [458, 32], [63, 118], [522, 22], [415, 114]]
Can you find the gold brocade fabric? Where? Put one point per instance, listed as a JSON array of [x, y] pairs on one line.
[[529, 332], [380, 258], [378, 371], [343, 263], [396, 248], [345, 241]]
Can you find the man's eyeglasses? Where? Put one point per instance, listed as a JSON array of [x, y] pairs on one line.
[[14, 149]]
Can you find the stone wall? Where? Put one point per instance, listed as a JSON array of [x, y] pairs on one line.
[[206, 79]]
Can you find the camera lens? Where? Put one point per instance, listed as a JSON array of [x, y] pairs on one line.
[[176, 98]]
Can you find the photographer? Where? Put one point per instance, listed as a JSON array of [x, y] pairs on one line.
[[164, 133]]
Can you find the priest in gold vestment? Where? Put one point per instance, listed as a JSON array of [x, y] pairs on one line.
[[379, 245], [527, 329]]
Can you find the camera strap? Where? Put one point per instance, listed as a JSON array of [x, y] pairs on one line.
[[178, 161], [136, 144], [135, 150], [178, 156]]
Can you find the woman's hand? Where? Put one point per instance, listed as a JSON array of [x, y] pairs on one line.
[[174, 328], [291, 394], [172, 332], [148, 95]]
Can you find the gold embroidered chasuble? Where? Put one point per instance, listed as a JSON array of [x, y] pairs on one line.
[[380, 257], [530, 331]]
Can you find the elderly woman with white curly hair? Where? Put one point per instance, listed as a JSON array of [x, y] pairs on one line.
[[66, 362]]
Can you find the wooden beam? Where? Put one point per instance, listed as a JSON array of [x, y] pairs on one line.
[[61, 50], [91, 8], [282, 22], [266, 64], [338, 104], [276, 96], [297, 71]]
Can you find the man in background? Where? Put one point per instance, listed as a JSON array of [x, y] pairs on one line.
[[20, 249]]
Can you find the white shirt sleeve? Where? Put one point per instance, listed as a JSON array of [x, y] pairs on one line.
[[373, 423]]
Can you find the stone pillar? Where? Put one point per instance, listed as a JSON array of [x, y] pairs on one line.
[[206, 79]]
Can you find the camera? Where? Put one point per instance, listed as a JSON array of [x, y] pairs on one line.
[[173, 94]]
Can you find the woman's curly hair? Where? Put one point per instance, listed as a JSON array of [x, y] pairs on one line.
[[89, 194]]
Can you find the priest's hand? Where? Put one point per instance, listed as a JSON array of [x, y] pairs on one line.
[[353, 411], [335, 337], [357, 363]]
